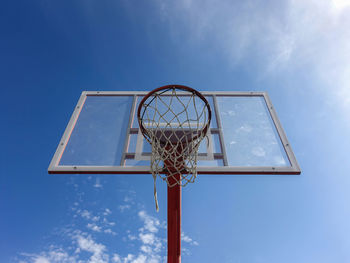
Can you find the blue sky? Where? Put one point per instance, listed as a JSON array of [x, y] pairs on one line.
[[297, 51]]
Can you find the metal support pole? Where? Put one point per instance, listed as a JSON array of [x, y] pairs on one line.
[[174, 221]]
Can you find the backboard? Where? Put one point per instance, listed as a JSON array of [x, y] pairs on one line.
[[103, 136]]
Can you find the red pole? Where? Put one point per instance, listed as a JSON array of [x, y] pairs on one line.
[[174, 221]]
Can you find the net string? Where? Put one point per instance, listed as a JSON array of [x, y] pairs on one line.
[[175, 137]]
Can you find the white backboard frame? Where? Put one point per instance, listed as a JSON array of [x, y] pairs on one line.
[[55, 168]]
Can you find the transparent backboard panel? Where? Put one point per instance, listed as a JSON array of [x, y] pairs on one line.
[[250, 136], [245, 136], [99, 134]]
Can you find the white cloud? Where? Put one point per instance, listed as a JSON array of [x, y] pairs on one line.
[[229, 113], [86, 243], [127, 199], [187, 239], [109, 231], [85, 214], [232, 143], [97, 223], [106, 222], [340, 6], [141, 259], [81, 242], [132, 237], [97, 183], [287, 36], [124, 207], [128, 259], [147, 238], [92, 246], [107, 212], [94, 227], [53, 255], [146, 249], [86, 247], [258, 151], [151, 244], [116, 258], [245, 128], [128, 202], [41, 259], [150, 223], [279, 160], [95, 218]]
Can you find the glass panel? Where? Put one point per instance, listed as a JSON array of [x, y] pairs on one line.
[[250, 136], [146, 147], [215, 163], [98, 137]]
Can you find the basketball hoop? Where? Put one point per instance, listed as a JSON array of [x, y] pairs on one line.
[[174, 119]]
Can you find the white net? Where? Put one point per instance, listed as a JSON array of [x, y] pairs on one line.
[[174, 122]]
